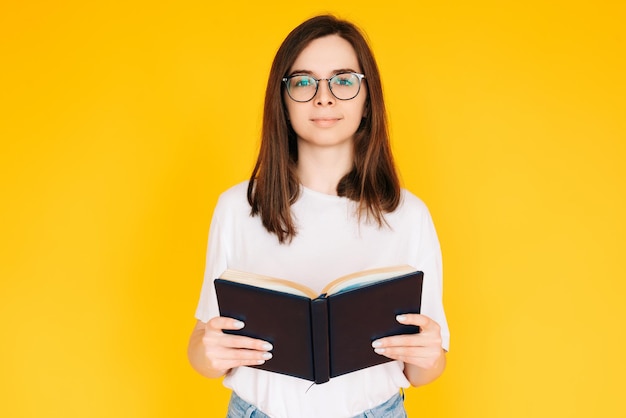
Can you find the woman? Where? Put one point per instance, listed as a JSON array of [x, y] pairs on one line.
[[323, 201]]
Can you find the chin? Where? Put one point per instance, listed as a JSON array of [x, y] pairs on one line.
[[325, 142]]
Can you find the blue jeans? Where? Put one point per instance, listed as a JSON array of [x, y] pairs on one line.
[[393, 408]]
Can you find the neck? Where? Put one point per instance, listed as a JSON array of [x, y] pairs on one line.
[[320, 169]]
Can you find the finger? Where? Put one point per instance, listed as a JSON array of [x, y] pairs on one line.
[[421, 321], [412, 349], [225, 359], [424, 358], [226, 351], [424, 323], [221, 322], [240, 354], [411, 341], [240, 341], [214, 336]]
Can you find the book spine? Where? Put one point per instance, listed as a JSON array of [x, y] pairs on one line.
[[319, 325]]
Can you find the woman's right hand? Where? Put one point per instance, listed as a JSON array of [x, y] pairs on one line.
[[226, 351]]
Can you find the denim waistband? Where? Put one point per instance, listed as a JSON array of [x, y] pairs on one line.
[[392, 408]]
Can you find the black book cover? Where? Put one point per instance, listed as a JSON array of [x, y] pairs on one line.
[[325, 337]]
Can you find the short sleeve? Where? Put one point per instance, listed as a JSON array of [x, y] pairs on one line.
[[428, 258], [431, 265], [216, 263]]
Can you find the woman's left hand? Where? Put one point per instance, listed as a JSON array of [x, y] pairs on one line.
[[422, 350]]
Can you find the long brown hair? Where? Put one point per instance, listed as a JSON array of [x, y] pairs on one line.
[[372, 182]]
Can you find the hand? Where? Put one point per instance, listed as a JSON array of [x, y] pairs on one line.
[[225, 351], [422, 350]]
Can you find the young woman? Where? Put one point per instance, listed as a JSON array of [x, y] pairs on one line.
[[323, 201]]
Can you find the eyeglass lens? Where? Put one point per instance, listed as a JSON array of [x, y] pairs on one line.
[[303, 88]]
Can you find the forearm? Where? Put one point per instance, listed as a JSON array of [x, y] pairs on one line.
[[418, 376], [197, 356]]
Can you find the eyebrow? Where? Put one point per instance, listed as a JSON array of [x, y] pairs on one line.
[[334, 72]]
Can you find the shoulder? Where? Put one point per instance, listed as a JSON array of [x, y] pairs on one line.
[[412, 203], [235, 194], [233, 199], [411, 212]]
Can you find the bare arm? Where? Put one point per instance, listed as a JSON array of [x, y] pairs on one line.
[[424, 358], [212, 353], [419, 376]]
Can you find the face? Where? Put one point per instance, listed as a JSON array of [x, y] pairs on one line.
[[326, 121]]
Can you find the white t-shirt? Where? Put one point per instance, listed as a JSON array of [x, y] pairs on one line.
[[329, 243]]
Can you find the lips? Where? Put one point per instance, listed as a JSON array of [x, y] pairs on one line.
[[325, 121]]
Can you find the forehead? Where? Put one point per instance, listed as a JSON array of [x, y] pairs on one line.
[[325, 55]]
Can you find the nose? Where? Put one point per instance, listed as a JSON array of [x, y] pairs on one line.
[[324, 96]]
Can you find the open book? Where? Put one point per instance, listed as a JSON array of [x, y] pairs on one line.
[[318, 337]]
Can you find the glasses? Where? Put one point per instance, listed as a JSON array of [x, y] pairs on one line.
[[303, 88]]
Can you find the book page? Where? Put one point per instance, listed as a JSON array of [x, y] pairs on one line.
[[270, 283], [342, 284], [365, 277]]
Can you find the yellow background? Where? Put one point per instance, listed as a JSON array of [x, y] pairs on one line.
[[121, 122]]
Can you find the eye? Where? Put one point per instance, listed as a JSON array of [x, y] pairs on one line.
[[302, 81], [346, 80]]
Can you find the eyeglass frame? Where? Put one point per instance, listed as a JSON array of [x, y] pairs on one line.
[[359, 76]]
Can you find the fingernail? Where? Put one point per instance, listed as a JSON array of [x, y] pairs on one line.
[[376, 344], [401, 318], [379, 350], [267, 356], [238, 324], [267, 346]]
